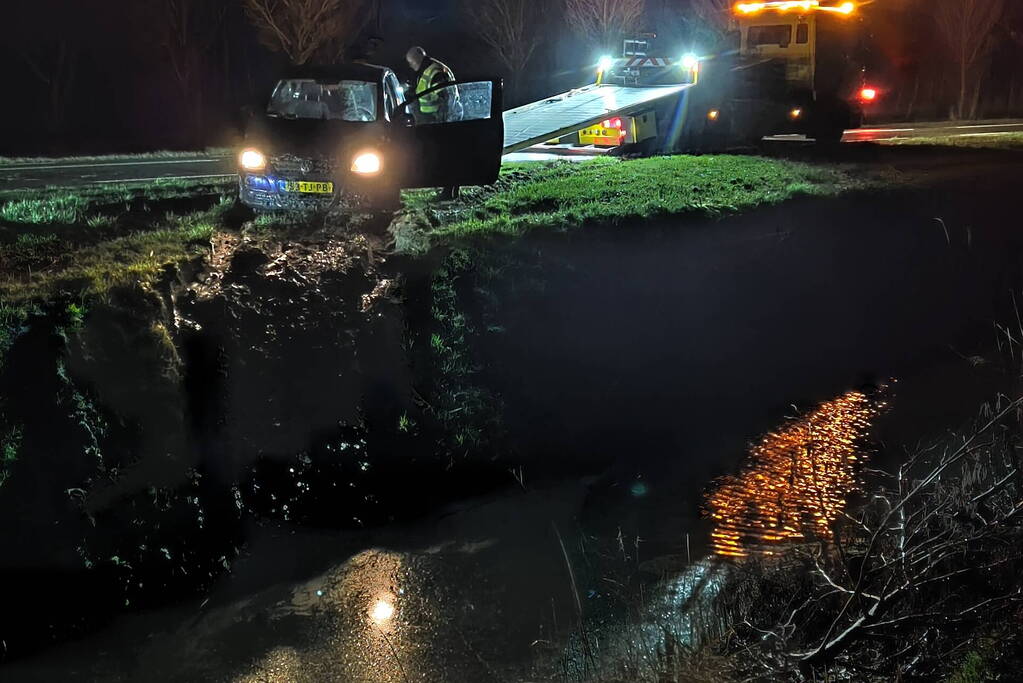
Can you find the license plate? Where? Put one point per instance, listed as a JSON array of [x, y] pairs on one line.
[[305, 187]]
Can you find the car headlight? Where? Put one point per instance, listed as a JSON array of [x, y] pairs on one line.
[[367, 163], [252, 160], [690, 61], [605, 63]]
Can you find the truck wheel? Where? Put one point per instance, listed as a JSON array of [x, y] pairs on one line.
[[829, 134], [832, 119]]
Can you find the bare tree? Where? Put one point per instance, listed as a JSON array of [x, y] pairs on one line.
[[929, 562], [57, 69], [604, 22], [715, 13], [967, 27], [188, 31], [510, 28], [306, 29], [52, 56]]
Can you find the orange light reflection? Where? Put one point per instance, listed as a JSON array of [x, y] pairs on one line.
[[797, 481]]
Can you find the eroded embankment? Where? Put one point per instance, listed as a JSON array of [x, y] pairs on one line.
[[314, 380], [309, 381]]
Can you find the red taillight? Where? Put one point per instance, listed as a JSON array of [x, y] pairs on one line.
[[613, 123], [868, 94]]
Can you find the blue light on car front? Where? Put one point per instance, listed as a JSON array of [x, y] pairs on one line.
[[258, 182]]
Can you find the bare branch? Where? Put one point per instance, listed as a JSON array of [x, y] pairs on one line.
[[966, 28], [604, 22], [306, 29], [511, 28]]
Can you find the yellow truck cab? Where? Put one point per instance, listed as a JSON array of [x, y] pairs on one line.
[[813, 42], [787, 37]]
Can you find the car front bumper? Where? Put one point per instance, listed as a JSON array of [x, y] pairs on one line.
[[264, 192]]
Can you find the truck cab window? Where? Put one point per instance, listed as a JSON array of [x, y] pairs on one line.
[[802, 34], [780, 34]]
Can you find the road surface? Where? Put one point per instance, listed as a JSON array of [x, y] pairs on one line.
[[873, 133], [208, 167]]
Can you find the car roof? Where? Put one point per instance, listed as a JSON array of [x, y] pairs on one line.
[[353, 72]]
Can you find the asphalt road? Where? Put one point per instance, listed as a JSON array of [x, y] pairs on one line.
[[69, 173], [871, 133]]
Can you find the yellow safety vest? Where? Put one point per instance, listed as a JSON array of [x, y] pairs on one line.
[[436, 73]]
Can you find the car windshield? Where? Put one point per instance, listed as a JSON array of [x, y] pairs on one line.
[[312, 99]]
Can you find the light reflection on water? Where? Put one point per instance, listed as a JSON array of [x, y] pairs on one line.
[[362, 634], [797, 480]]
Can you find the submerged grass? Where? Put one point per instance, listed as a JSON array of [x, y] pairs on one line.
[[563, 195]]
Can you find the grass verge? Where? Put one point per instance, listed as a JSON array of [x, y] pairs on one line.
[[82, 243], [563, 195], [1008, 141], [85, 241], [69, 205], [105, 158]]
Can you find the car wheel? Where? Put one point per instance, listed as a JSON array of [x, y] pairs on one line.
[[385, 200]]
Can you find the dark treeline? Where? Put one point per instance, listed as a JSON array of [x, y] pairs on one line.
[[128, 75]]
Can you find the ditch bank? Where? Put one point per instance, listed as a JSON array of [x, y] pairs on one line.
[[314, 381]]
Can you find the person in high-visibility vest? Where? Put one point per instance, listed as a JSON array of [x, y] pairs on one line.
[[430, 73], [441, 106]]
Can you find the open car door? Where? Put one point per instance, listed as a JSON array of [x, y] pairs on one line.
[[454, 135]]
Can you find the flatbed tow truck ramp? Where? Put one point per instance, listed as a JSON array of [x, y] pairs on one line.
[[574, 110]]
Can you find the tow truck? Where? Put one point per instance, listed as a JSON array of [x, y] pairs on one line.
[[636, 68], [798, 68], [793, 72]]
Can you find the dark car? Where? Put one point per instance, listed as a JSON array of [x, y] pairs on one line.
[[348, 132]]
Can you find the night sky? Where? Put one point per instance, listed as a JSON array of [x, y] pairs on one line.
[[96, 75]]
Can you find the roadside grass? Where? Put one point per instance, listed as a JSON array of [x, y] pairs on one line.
[[563, 195], [41, 267], [85, 241], [1007, 141], [56, 205], [142, 156]]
